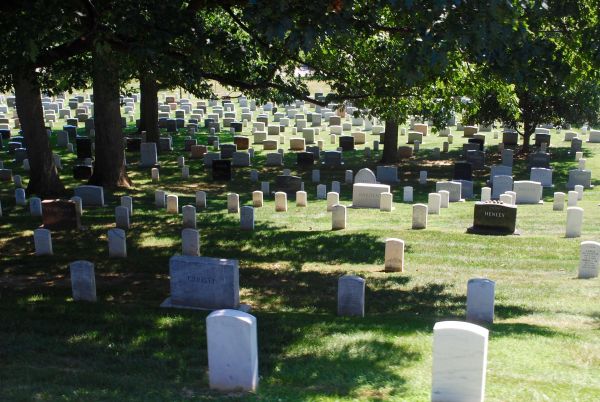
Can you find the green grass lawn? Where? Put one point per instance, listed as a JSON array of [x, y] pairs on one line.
[[544, 344]]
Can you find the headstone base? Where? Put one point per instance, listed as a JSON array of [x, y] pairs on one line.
[[491, 232], [246, 308]]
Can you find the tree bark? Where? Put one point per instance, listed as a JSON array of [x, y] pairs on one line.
[[528, 130], [390, 142], [148, 107], [109, 169], [44, 180]]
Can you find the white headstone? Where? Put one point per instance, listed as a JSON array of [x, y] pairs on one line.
[[394, 255], [444, 198], [280, 201], [160, 199], [190, 241], [480, 300], [486, 193], [83, 281], [172, 204], [589, 260], [233, 203], [419, 216], [316, 176], [386, 202], [332, 199], [200, 199], [127, 202], [117, 243], [122, 217], [20, 198], [335, 187], [301, 199], [559, 201], [35, 206], [155, 174], [407, 195], [257, 199], [42, 239], [189, 216], [338, 217], [232, 351], [434, 201], [351, 296], [264, 187], [574, 222], [247, 217], [572, 198], [459, 362], [321, 191]]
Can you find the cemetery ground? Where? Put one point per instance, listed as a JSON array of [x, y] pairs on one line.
[[544, 343]]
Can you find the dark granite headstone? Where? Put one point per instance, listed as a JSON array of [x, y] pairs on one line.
[[5, 134], [305, 159], [288, 184], [314, 149], [221, 170], [510, 138], [242, 143], [215, 125], [576, 145], [539, 159], [20, 155], [494, 218], [171, 125], [463, 171], [60, 215], [134, 144], [479, 141], [84, 147], [227, 150], [82, 172], [6, 175], [210, 140], [208, 122], [187, 144], [469, 147], [347, 143], [332, 158], [237, 126], [476, 159], [541, 138], [13, 145], [72, 130], [165, 144]]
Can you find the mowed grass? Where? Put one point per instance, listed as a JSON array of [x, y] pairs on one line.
[[544, 344]]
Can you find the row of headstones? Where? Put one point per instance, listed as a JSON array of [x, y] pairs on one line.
[[232, 343]]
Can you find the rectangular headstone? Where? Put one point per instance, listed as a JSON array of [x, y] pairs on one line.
[[203, 283], [221, 170], [60, 214], [494, 218]]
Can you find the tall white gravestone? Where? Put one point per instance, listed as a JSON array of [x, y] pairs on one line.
[[232, 351], [459, 362]]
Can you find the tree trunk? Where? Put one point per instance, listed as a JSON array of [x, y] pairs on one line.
[[148, 107], [390, 142], [109, 169], [44, 180], [528, 130]]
